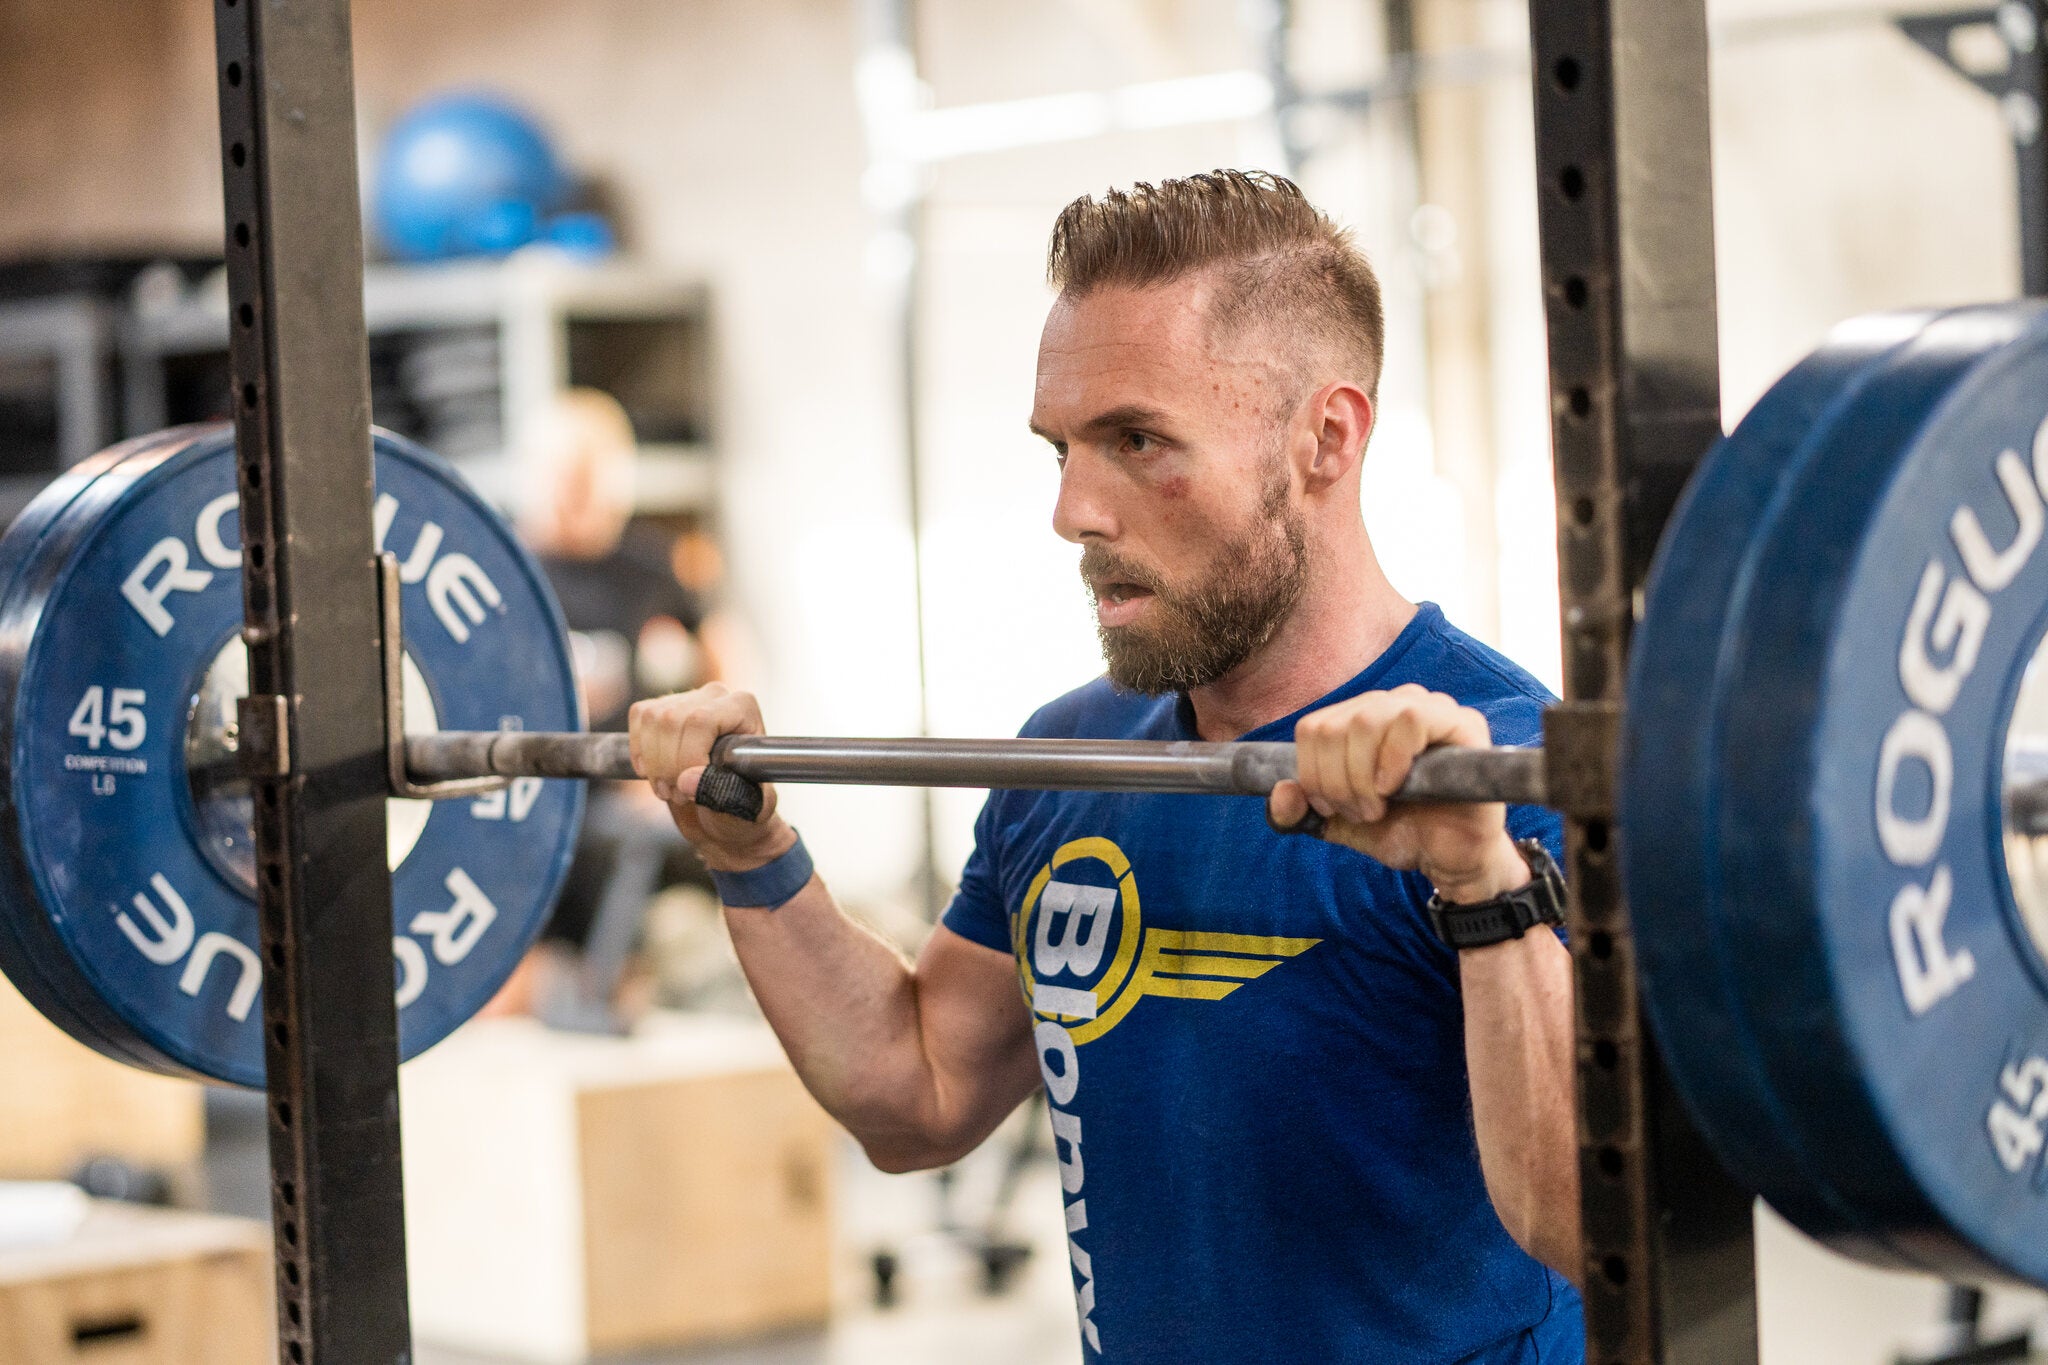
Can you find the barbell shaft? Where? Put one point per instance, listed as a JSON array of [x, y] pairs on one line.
[[1443, 774]]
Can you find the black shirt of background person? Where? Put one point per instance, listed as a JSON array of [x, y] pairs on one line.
[[610, 599]]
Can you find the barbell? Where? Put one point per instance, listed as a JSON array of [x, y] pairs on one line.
[[1830, 808]]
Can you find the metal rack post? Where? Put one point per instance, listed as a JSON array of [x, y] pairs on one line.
[[1626, 216], [2021, 89], [301, 391]]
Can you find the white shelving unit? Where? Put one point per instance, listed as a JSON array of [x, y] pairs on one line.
[[466, 355]]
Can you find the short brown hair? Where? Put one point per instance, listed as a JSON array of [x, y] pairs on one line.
[[1281, 260]]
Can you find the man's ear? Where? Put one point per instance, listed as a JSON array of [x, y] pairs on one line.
[[1340, 418]]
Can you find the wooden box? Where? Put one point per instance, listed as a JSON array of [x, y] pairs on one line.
[[61, 1102], [137, 1286], [570, 1195]]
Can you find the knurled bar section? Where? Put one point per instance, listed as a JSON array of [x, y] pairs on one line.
[[294, 261], [1575, 140]]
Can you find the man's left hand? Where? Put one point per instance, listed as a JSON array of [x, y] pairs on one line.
[[1353, 756]]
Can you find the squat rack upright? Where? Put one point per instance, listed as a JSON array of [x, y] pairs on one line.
[[1625, 210], [300, 365], [1627, 242]]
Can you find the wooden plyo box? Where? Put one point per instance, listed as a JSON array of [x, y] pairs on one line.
[[61, 1102], [136, 1286], [569, 1196]]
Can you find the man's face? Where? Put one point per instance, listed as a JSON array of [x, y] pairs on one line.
[[1173, 479]]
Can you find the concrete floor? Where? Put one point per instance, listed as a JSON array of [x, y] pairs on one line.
[[1816, 1308], [941, 1315]]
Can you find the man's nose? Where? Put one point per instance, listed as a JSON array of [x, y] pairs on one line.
[[1084, 509]]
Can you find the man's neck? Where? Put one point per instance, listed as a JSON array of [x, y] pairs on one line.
[[1347, 616]]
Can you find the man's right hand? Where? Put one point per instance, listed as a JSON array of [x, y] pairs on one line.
[[920, 1064], [671, 741]]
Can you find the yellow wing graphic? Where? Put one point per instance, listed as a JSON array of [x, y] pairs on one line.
[[1190, 965]]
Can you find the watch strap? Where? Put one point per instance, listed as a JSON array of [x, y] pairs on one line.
[[1508, 915]]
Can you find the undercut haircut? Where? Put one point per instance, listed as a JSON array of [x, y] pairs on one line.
[[1278, 260]]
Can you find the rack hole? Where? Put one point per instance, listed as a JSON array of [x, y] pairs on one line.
[[1606, 1055], [248, 395], [1600, 944], [256, 554], [292, 1311], [1571, 181], [291, 1268], [284, 1114], [298, 1354], [241, 234], [238, 154], [1610, 1162], [291, 1233], [234, 73], [1575, 292], [1566, 72], [1581, 402], [288, 1192], [253, 472], [1595, 834], [1582, 511], [1615, 1269], [100, 1331], [277, 964], [246, 315]]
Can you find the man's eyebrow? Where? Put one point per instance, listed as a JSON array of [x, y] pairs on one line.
[[1116, 419]]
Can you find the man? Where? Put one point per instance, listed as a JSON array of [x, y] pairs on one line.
[[634, 632], [632, 624], [1292, 1123]]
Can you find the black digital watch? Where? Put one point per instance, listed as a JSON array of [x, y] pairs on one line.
[[1510, 914]]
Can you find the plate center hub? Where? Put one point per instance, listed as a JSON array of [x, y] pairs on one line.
[[221, 796]]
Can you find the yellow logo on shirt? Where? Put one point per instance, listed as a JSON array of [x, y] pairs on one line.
[[1075, 976]]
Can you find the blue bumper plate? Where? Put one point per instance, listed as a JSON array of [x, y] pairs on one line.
[[1813, 796], [125, 858]]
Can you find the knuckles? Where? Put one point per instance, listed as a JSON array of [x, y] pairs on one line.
[[680, 727], [1409, 704]]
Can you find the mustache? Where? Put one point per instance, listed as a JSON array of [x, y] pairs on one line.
[[1100, 564]]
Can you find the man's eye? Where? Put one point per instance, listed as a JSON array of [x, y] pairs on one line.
[[1137, 442]]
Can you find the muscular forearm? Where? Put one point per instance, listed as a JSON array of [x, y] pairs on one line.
[[1519, 1050], [846, 1006], [1350, 759], [919, 1062]]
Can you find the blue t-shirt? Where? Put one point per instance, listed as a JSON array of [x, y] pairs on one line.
[[1254, 1049]]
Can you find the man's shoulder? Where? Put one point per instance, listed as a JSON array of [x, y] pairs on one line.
[[1099, 710], [1480, 676]]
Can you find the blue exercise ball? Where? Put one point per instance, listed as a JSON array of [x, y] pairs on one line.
[[464, 175]]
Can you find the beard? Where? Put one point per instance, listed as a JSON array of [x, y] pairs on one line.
[[1200, 631]]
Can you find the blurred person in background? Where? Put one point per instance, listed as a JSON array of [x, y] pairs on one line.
[[632, 624], [633, 633]]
